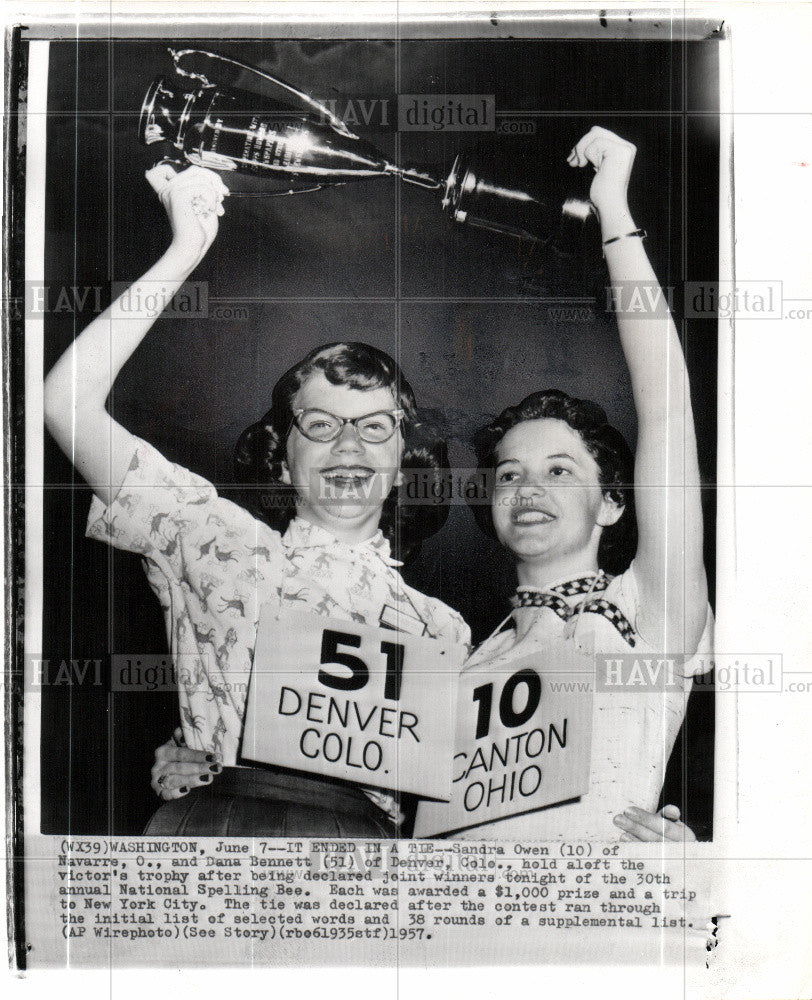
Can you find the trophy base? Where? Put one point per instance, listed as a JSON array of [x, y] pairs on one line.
[[514, 208]]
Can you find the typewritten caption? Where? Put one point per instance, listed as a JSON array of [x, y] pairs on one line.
[[206, 897]]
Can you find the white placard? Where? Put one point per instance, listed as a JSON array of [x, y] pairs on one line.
[[351, 701], [524, 733]]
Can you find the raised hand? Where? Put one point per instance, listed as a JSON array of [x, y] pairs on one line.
[[193, 199], [612, 158]]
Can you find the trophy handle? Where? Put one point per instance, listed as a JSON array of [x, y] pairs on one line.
[[312, 105]]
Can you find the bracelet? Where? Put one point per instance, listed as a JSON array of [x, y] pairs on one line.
[[637, 232]]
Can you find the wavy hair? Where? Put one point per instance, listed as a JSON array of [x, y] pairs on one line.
[[260, 453], [603, 442]]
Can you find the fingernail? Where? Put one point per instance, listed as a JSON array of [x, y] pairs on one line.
[[209, 758], [183, 790], [215, 769], [205, 777]]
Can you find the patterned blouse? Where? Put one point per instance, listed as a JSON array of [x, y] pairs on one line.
[[212, 566]]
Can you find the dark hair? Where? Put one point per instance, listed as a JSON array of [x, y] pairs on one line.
[[606, 445], [261, 449]]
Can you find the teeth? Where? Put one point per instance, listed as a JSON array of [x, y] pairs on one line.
[[347, 477], [348, 481], [532, 517]]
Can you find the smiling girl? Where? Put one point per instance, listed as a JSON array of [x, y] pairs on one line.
[[322, 469], [573, 506]]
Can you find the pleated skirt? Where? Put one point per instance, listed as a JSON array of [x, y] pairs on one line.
[[260, 802]]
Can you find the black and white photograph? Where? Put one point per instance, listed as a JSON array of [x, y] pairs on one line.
[[441, 324], [369, 418]]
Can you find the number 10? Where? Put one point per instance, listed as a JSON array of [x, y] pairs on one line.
[[510, 719]]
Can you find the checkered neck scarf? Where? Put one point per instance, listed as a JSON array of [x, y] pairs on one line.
[[553, 598]]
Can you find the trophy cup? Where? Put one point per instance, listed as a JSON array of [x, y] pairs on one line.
[[295, 149], [298, 145]]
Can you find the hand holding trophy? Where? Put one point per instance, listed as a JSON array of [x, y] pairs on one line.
[[193, 199]]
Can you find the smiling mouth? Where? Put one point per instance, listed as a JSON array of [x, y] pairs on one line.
[[532, 515], [347, 477]]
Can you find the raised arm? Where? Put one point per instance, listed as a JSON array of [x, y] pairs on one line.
[[669, 562], [78, 385]]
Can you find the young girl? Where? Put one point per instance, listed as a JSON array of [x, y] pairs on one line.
[[562, 504], [327, 458]]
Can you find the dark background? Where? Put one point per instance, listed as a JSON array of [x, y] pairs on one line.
[[465, 313]]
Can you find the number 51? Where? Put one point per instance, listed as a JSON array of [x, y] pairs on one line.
[[359, 671]]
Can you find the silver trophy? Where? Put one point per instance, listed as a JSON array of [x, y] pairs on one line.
[[296, 144]]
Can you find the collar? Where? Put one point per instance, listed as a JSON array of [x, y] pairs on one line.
[[302, 534], [589, 583]]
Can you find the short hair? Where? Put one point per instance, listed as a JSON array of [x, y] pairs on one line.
[[603, 442], [260, 452]]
